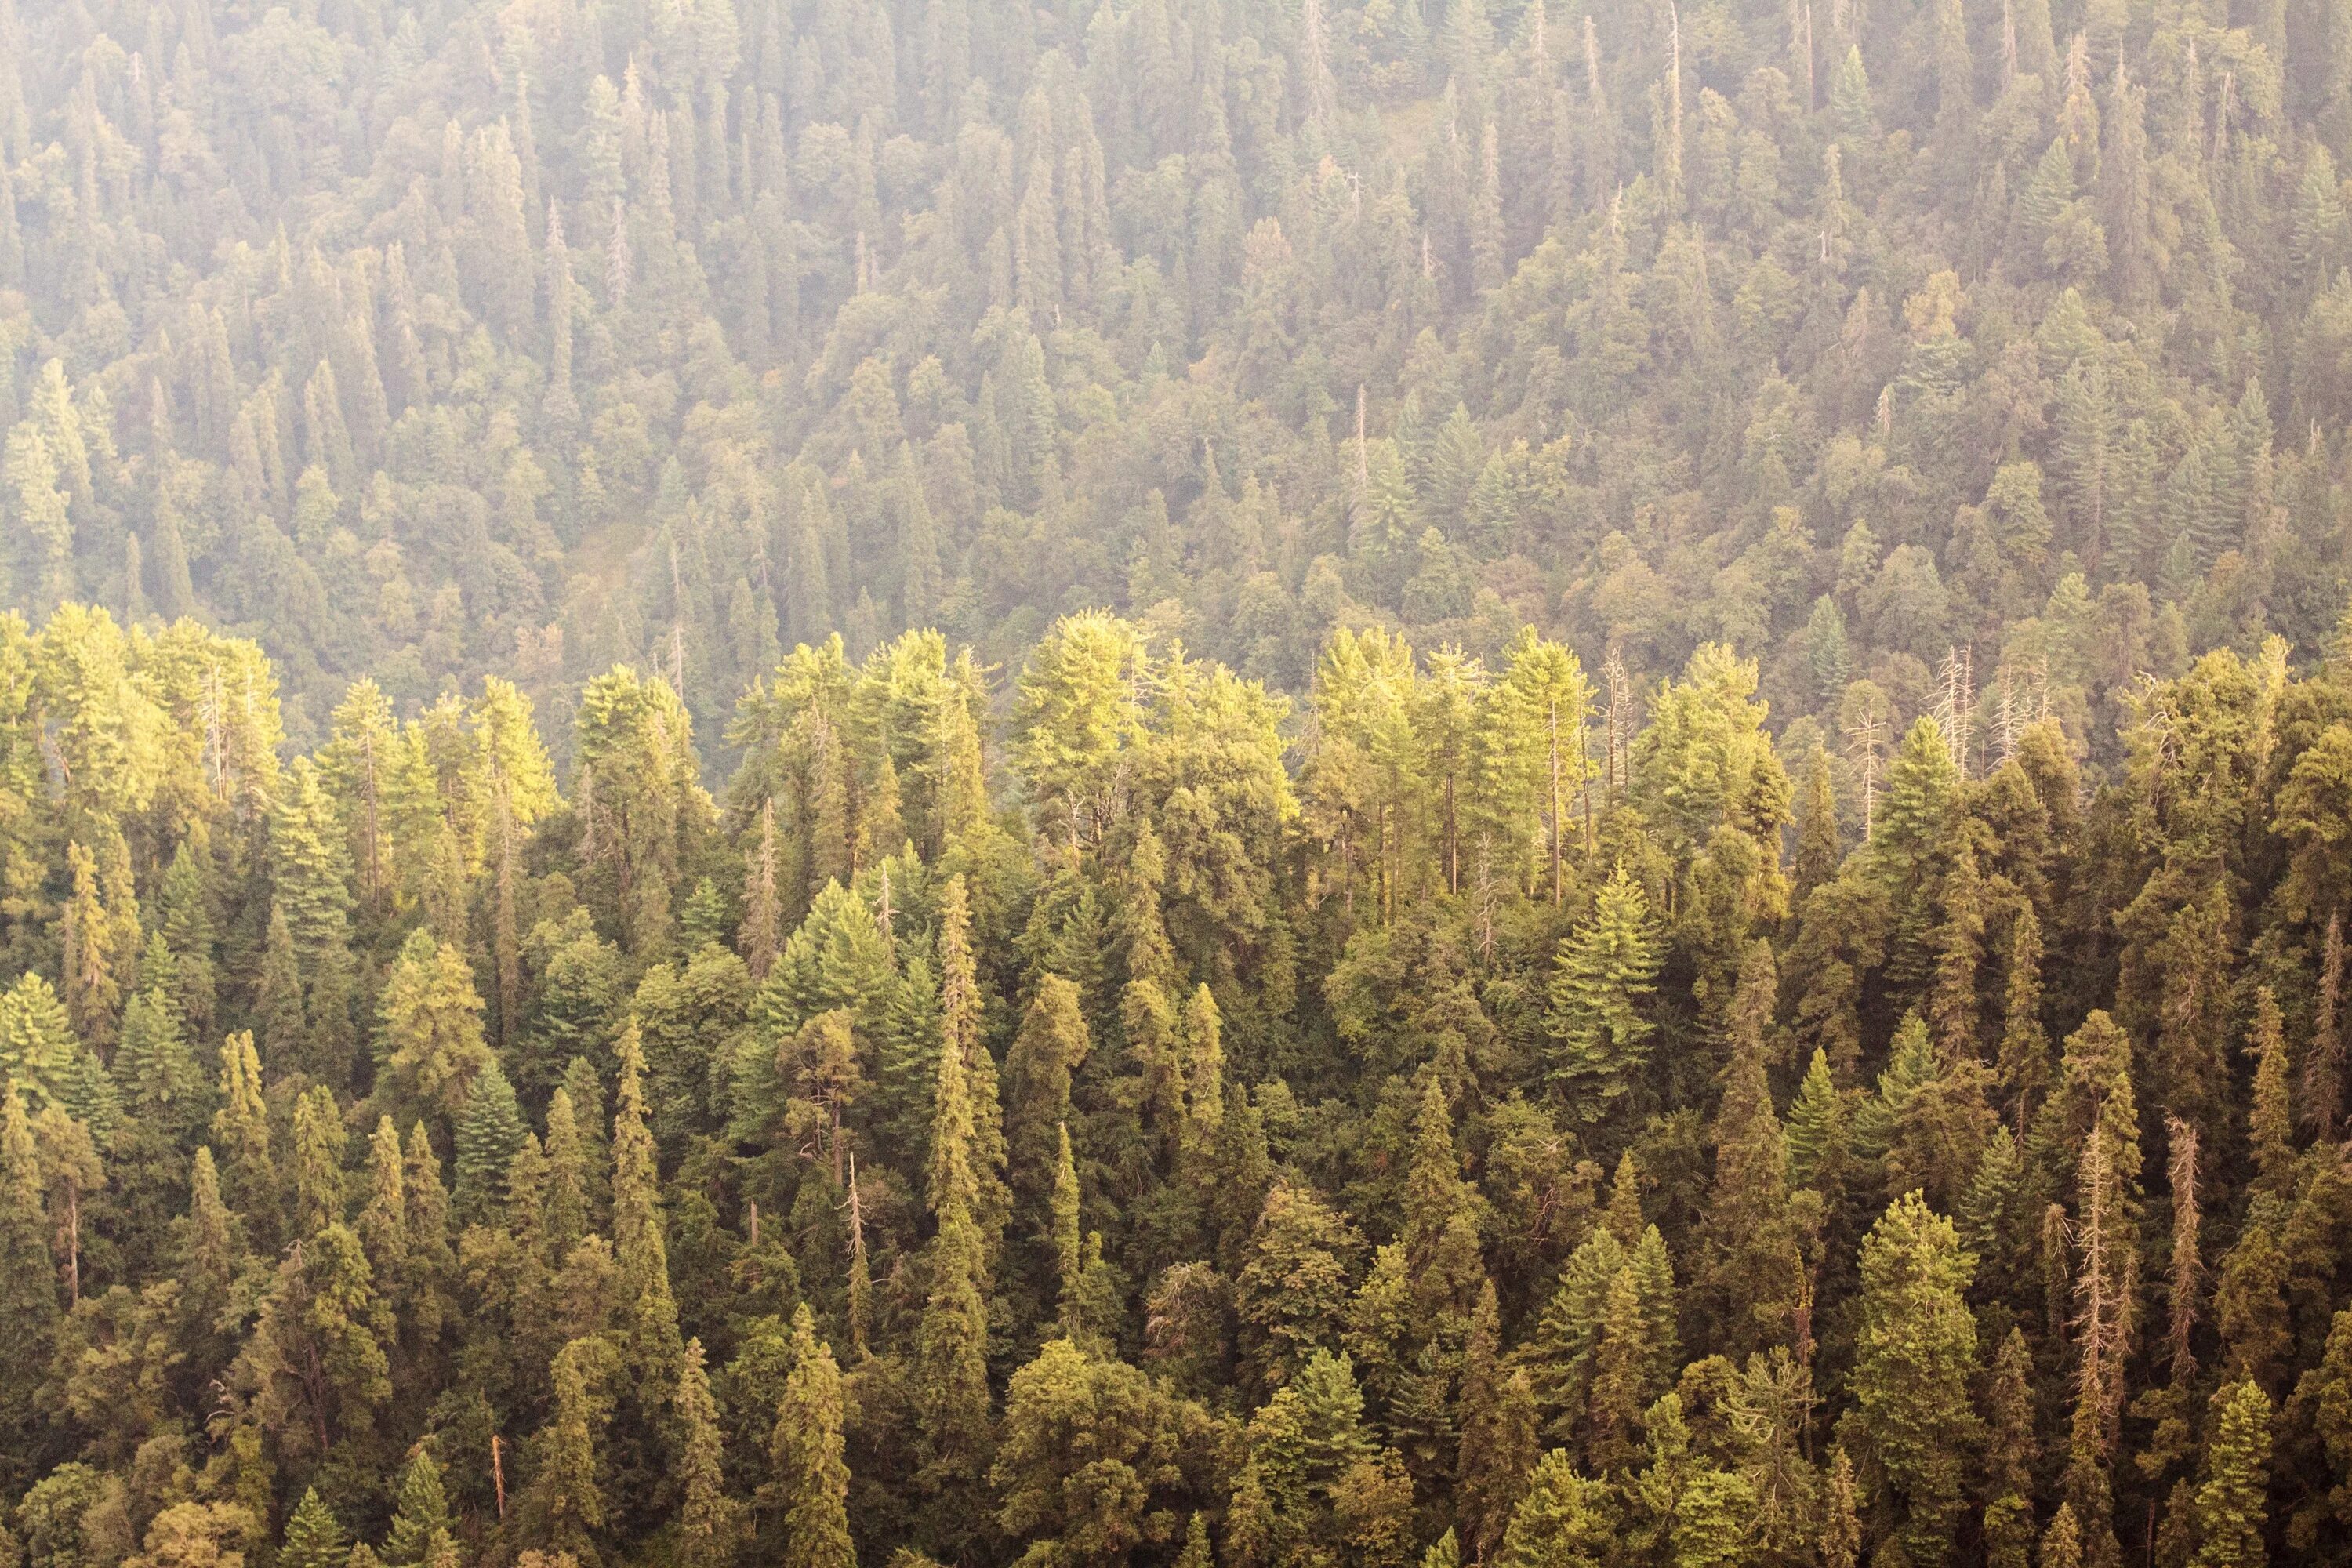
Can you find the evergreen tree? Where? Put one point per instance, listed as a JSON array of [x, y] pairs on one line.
[[30, 1274], [1914, 1420], [421, 1525], [1052, 1042], [241, 1131], [1600, 976], [313, 1537], [1564, 1521], [811, 1481], [1497, 1420], [487, 1134], [707, 1521], [429, 1046], [2232, 1501], [638, 1244], [1755, 1268]]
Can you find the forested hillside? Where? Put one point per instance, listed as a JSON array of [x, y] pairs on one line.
[[1499, 1126], [430, 341], [1568, 883]]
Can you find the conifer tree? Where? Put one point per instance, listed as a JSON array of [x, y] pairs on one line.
[[2010, 1453], [2270, 1124], [383, 1221], [2323, 1062], [1061, 1209], [2024, 1053], [1754, 1265], [1914, 1420], [241, 1131], [313, 1537], [1204, 1070], [316, 1177], [1053, 1040], [28, 1277], [565, 1219], [207, 1260], [1497, 1422], [430, 1260], [809, 1477], [959, 1028], [1818, 850], [568, 1502], [2232, 1501], [421, 1524], [1603, 970], [707, 1521], [1564, 1521], [638, 1243], [429, 1044], [488, 1132]]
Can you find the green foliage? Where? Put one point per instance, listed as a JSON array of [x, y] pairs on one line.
[[1604, 971]]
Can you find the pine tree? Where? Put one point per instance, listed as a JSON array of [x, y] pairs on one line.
[[1497, 1422], [1564, 1521], [1914, 1357], [638, 1243], [314, 1539], [2232, 1501], [421, 1525], [1603, 970], [1052, 1042], [241, 1131], [1754, 1265], [707, 1521], [487, 1134], [811, 1479]]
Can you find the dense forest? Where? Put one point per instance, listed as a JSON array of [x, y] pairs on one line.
[[1209, 783]]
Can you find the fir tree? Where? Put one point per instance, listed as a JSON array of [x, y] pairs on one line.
[[811, 1481], [1914, 1418], [1603, 970], [707, 1521], [241, 1131], [2232, 1501], [638, 1243], [1564, 1521], [313, 1537], [421, 1524], [487, 1134], [1755, 1268]]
